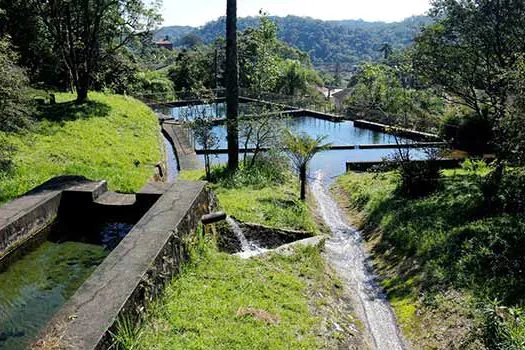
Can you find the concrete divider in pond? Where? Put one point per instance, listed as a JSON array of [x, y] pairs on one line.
[[447, 163], [412, 134], [135, 272]]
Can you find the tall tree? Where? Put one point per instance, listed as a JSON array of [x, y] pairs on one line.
[[232, 85], [86, 32]]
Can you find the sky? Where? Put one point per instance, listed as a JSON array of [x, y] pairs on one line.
[[198, 12]]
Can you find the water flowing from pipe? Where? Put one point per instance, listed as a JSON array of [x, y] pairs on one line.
[[248, 249]]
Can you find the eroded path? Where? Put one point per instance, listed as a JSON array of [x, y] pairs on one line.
[[347, 256]]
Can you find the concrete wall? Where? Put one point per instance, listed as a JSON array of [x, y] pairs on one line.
[[22, 219], [135, 272]]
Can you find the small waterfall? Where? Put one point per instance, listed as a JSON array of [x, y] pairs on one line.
[[248, 249]]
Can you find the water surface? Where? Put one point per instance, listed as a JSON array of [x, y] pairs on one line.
[[34, 288]]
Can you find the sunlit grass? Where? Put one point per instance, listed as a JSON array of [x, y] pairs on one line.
[[114, 138]]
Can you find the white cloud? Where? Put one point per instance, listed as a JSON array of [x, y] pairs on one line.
[[198, 12]]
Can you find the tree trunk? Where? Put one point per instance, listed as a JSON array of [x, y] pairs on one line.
[[82, 87], [302, 179], [232, 85]]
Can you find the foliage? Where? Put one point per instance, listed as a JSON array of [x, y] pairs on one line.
[[202, 128], [16, 106], [86, 33], [114, 138], [301, 148], [418, 179], [154, 85], [467, 130], [260, 130], [327, 42], [470, 51], [504, 327], [191, 70], [394, 96]]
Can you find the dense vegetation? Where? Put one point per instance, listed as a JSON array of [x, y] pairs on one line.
[[453, 241], [327, 42], [112, 137]]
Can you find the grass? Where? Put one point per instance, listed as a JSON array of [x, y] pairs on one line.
[[274, 203], [223, 302], [112, 137], [441, 256]]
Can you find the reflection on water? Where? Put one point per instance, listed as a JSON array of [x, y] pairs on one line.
[[214, 110], [337, 133], [34, 288]]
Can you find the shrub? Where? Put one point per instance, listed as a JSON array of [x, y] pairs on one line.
[[16, 106], [155, 86], [418, 179], [467, 131], [504, 328]]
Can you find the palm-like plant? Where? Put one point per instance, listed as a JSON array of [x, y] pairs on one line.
[[301, 148]]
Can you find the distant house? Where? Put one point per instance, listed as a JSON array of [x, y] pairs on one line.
[[339, 98], [165, 43]]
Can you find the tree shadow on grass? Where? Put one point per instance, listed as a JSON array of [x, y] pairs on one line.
[[70, 111]]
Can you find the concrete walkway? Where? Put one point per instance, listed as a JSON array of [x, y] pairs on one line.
[[178, 136]]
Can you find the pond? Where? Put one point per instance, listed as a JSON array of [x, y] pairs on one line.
[[33, 288], [337, 133], [333, 162]]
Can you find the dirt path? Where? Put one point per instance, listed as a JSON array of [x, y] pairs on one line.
[[347, 256]]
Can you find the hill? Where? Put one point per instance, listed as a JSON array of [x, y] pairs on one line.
[[327, 42]]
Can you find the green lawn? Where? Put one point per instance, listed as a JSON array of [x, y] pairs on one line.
[[443, 257], [115, 138], [275, 204], [223, 302]]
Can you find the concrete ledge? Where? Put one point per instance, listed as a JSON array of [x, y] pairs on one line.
[[26, 216], [412, 134], [449, 163], [135, 272]]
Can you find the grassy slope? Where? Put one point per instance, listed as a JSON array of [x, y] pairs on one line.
[[222, 302], [112, 137], [418, 253], [275, 205]]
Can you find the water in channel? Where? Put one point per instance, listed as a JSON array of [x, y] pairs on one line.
[[34, 288], [346, 254]]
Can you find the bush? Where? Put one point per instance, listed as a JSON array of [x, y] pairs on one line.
[[504, 328], [467, 131], [418, 179], [16, 106], [154, 85]]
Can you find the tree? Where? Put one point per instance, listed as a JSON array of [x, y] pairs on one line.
[[86, 32], [469, 50], [205, 136], [387, 50], [16, 105], [232, 85], [301, 149], [261, 131]]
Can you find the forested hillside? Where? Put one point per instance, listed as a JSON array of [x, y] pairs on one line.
[[328, 42]]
